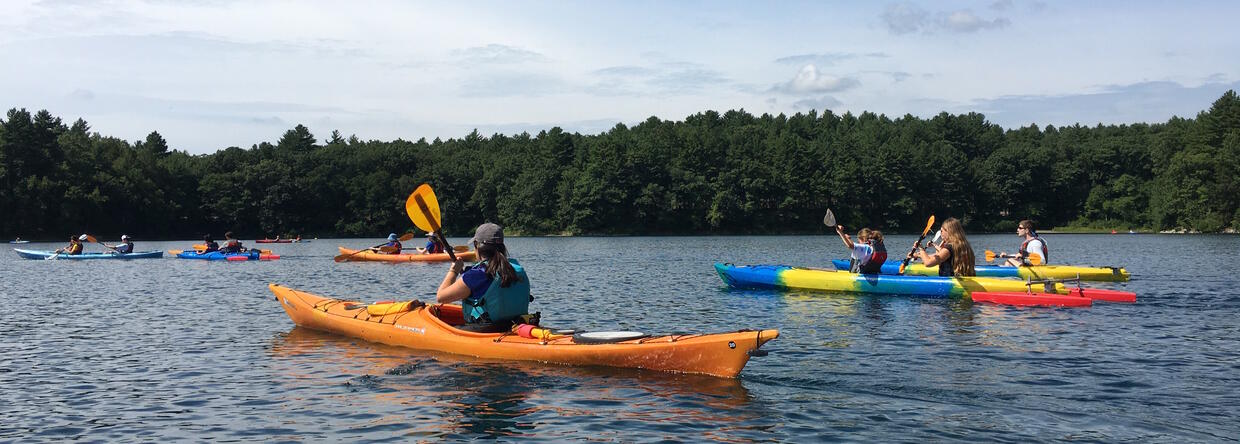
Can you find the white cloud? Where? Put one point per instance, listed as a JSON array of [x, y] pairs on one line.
[[907, 18], [809, 81]]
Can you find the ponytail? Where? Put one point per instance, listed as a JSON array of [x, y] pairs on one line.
[[496, 257]]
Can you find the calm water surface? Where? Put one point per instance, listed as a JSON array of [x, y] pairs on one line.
[[173, 349]]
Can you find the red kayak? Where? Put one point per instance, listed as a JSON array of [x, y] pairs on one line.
[[1030, 299], [1076, 297]]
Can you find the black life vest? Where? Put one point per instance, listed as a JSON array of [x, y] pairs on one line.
[[875, 265], [1024, 249], [232, 246], [948, 266], [211, 246]]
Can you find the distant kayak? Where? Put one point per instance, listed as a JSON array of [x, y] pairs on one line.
[[796, 278], [1096, 274], [370, 256], [434, 327], [275, 241], [19, 242], [32, 254], [251, 255]]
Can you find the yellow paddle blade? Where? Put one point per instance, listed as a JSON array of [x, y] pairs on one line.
[[1035, 259], [423, 208], [990, 255], [929, 223]]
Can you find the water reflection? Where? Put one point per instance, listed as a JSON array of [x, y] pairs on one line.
[[449, 396]]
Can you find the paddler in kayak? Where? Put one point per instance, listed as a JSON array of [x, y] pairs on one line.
[[1031, 244], [75, 246], [868, 253], [125, 247], [432, 245], [496, 291], [954, 255], [210, 244], [393, 245], [231, 244]]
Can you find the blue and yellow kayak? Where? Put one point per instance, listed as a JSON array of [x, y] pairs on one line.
[[795, 278], [1035, 272], [32, 254], [251, 255]]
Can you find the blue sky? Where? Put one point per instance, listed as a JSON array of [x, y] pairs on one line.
[[211, 74]]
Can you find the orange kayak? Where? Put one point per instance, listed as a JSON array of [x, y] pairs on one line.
[[431, 327], [370, 256]]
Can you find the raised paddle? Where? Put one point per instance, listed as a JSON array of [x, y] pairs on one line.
[[423, 209], [1033, 258], [345, 257], [829, 219], [904, 264], [92, 239]]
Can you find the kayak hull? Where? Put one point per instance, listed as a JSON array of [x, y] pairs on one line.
[[431, 328], [1034, 272], [38, 255], [370, 256], [795, 278], [274, 241]]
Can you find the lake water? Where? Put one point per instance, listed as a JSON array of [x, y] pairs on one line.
[[171, 349]]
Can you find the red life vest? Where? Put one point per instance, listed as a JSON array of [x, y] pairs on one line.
[[875, 265], [1024, 250]]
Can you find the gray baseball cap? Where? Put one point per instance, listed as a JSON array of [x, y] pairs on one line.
[[488, 233]]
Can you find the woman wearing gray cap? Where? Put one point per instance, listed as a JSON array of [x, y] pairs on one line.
[[494, 291]]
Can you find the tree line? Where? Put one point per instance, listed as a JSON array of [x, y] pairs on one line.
[[712, 173]]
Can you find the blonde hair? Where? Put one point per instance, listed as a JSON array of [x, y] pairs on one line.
[[864, 234], [962, 260]]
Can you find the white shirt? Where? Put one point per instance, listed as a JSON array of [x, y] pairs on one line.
[[1035, 249], [862, 252]]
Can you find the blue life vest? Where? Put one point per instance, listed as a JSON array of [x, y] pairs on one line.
[[124, 248], [499, 304]]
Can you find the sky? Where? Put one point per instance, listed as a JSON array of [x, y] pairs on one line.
[[210, 74]]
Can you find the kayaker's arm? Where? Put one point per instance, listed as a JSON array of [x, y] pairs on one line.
[[839, 229], [931, 260], [452, 288]]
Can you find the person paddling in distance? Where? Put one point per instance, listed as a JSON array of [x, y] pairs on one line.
[[231, 244], [75, 246], [954, 255], [432, 245], [496, 291], [210, 244], [393, 245], [868, 253], [1031, 244], [125, 247]]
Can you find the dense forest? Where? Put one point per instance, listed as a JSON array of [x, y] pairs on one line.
[[712, 173]]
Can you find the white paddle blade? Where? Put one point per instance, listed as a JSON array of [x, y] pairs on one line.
[[829, 218]]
